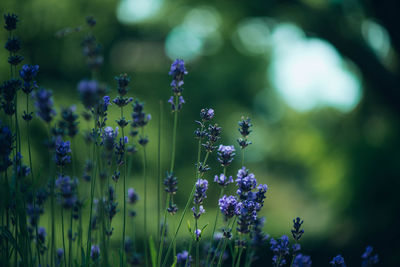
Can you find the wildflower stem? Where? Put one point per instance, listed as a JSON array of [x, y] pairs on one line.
[[124, 223], [239, 257], [183, 214], [160, 118], [162, 239], [62, 233], [224, 245], [145, 201], [70, 239], [174, 136], [189, 250]]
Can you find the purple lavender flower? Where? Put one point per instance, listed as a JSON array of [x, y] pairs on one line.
[[28, 73], [244, 130], [228, 206], [22, 170], [59, 256], [44, 104], [123, 81], [67, 191], [280, 248], [62, 151], [89, 92], [302, 261], [296, 231], [368, 259], [8, 91], [200, 191], [70, 117], [95, 252], [108, 138], [225, 155], [246, 182], [6, 141], [197, 233], [258, 237], [170, 183], [178, 105], [177, 71], [247, 211], [183, 258], [222, 180], [206, 114], [197, 213], [41, 237], [213, 135], [260, 194], [13, 44], [132, 196], [120, 150], [338, 261], [140, 119], [10, 21]]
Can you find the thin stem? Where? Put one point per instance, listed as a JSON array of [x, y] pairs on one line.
[[70, 240], [62, 233], [145, 202], [174, 137], [160, 117], [240, 255], [125, 164], [189, 250], [162, 239]]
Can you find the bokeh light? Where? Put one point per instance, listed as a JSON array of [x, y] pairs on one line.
[[134, 11]]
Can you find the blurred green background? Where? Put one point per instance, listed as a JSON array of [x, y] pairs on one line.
[[320, 80]]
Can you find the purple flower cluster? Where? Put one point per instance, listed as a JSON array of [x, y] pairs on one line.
[[67, 191], [337, 261], [177, 71], [28, 73], [95, 252], [70, 117], [200, 191], [246, 182], [280, 248], [8, 92], [132, 196], [244, 129], [296, 231], [228, 206], [62, 152], [184, 259], [368, 259], [111, 205], [225, 155], [213, 134], [247, 215], [6, 147], [223, 180], [44, 104], [89, 92], [206, 114], [10, 21], [171, 186], [302, 261], [108, 138], [123, 81], [140, 119]]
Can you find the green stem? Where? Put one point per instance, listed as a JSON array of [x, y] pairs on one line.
[[189, 251], [62, 233], [160, 117], [145, 202], [240, 255], [162, 239]]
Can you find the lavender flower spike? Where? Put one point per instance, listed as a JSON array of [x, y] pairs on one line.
[[132, 196], [246, 182], [200, 193], [183, 258], [223, 180], [44, 104], [228, 206], [338, 261], [95, 252], [63, 149], [225, 155], [302, 261], [280, 248]]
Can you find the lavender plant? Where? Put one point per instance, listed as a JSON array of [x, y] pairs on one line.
[[26, 242]]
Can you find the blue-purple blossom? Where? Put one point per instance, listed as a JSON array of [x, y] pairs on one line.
[[89, 92], [258, 237], [247, 215], [225, 155], [206, 114], [62, 152], [44, 104], [223, 180], [177, 71], [244, 129], [67, 191], [228, 206], [200, 191], [197, 212], [139, 118], [22, 170], [41, 235], [132, 196], [95, 252], [108, 138], [183, 258], [13, 44], [6, 147], [120, 149], [10, 21], [280, 248], [368, 259], [123, 81], [8, 91], [302, 261], [260, 194], [176, 106], [197, 234], [59, 256], [170, 183], [27, 74], [296, 231], [246, 182], [338, 261]]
